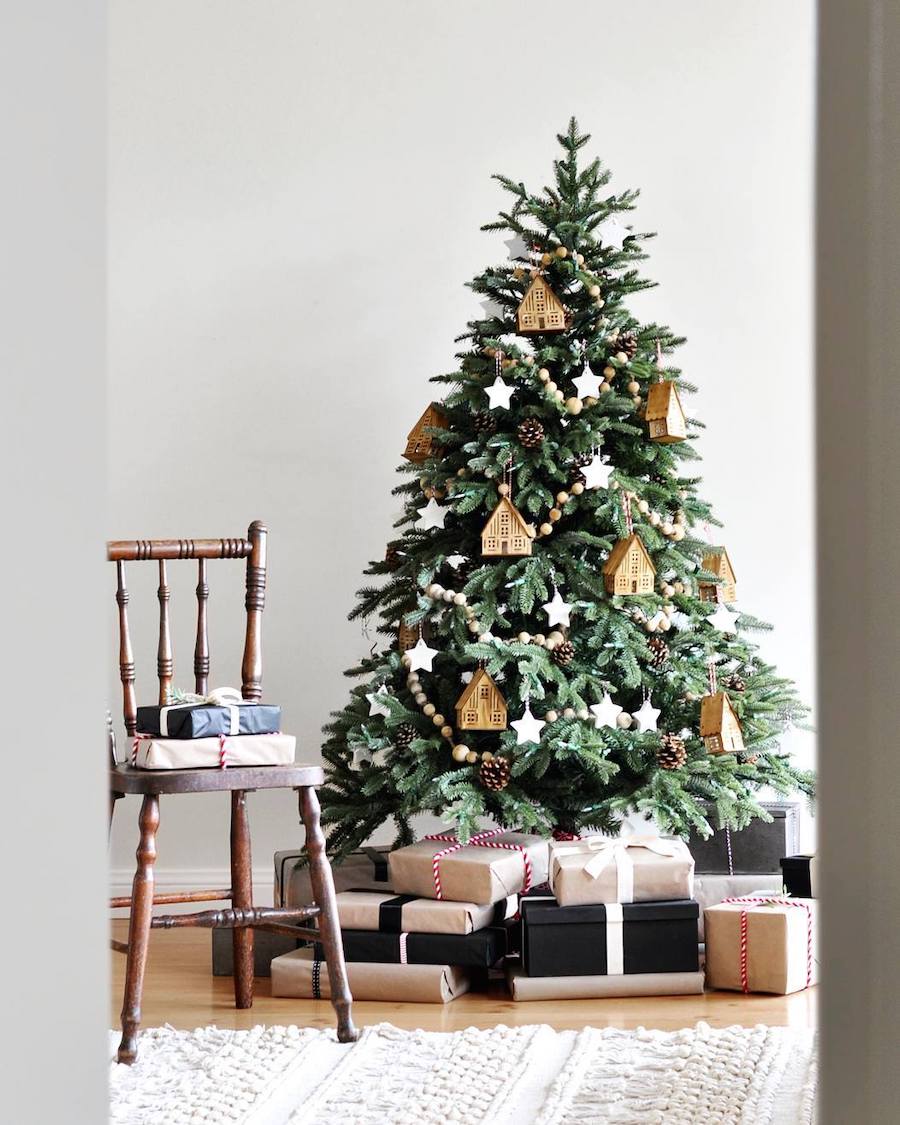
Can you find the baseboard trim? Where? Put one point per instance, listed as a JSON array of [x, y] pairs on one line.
[[173, 879]]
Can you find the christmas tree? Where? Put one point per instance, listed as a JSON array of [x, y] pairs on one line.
[[561, 646]]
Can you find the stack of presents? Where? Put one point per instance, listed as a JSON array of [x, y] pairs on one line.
[[583, 918]]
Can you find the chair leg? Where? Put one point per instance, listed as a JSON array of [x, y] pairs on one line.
[[241, 897], [329, 926], [139, 928]]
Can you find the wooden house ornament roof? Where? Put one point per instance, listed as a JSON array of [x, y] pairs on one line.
[[664, 414], [725, 590], [629, 568], [420, 445], [481, 705], [540, 309], [506, 532], [720, 727]]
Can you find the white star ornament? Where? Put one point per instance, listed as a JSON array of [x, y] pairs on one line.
[[723, 620], [647, 715], [596, 474], [528, 728], [432, 515], [606, 712], [557, 610], [612, 232], [587, 385], [420, 656], [376, 703], [499, 394]]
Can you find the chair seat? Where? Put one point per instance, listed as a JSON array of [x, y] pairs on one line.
[[127, 779]]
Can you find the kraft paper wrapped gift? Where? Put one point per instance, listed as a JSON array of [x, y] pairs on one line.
[[266, 946], [599, 869], [480, 950], [710, 890], [756, 849], [394, 914], [524, 987], [300, 974], [365, 869], [779, 954], [612, 939], [801, 876], [213, 753], [205, 720], [491, 867]]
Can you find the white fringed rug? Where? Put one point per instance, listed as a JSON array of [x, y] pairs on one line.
[[501, 1076]]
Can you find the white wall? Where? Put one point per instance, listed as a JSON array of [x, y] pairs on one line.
[[295, 199]]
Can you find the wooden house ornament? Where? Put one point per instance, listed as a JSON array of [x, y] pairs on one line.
[[664, 416], [629, 569], [540, 309], [506, 532], [725, 590], [481, 705], [719, 725], [408, 636], [420, 445]]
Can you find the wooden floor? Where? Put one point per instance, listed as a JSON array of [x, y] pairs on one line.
[[180, 989]]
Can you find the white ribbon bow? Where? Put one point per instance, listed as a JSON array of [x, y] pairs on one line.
[[219, 697], [609, 850]]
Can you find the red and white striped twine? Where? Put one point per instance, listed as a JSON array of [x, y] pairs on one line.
[[481, 840], [403, 955], [745, 977], [626, 510], [138, 738], [713, 682]]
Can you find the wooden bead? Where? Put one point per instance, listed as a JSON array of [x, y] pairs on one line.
[[524, 638], [546, 259], [591, 401], [447, 732], [668, 590], [614, 485], [546, 529], [636, 400], [633, 387], [655, 519], [528, 360], [577, 488], [474, 626], [574, 405], [643, 507], [549, 644], [678, 587], [623, 721], [503, 489], [621, 357], [609, 371], [449, 595], [438, 719], [583, 713], [562, 498], [551, 716], [471, 757], [579, 258], [558, 395], [462, 472], [460, 753], [406, 660], [487, 756], [539, 639], [429, 709], [600, 302], [665, 625], [518, 273], [650, 626], [490, 352], [678, 534], [551, 386], [459, 599], [594, 291], [562, 252], [485, 637], [605, 388], [554, 514], [556, 637], [667, 528], [544, 375], [421, 698], [435, 590], [569, 713]]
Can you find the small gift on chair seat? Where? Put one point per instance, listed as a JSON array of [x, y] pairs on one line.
[[221, 711]]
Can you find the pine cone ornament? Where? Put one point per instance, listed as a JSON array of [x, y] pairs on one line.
[[531, 433], [671, 754], [751, 759], [484, 422], [393, 556], [494, 774], [735, 682], [627, 342], [582, 459], [403, 735], [563, 654], [659, 652]]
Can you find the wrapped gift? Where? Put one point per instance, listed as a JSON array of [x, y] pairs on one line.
[[598, 869], [801, 876], [756, 849], [492, 866], [524, 987], [611, 939], [710, 890], [394, 914], [150, 753], [303, 975], [366, 869], [479, 950], [266, 946], [221, 712], [761, 945]]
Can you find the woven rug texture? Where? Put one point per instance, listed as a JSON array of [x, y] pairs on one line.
[[499, 1076]]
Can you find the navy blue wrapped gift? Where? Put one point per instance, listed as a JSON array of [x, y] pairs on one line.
[[480, 949], [205, 720], [611, 939]]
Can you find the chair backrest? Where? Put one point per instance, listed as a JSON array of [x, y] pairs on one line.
[[253, 549]]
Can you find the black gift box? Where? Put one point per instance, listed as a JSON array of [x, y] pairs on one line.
[[797, 874], [754, 850], [206, 721], [571, 941], [266, 946], [480, 949]]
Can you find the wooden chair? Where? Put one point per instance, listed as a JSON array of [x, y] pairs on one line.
[[243, 917]]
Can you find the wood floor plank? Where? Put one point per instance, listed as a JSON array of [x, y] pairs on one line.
[[180, 990]]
